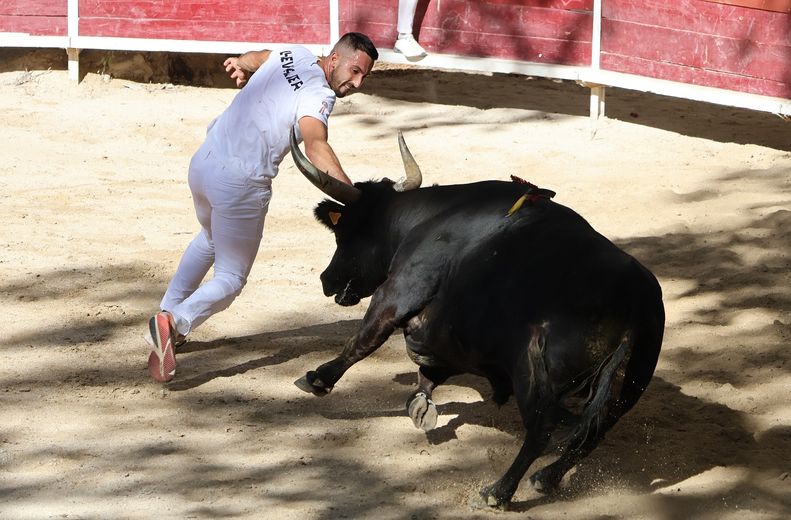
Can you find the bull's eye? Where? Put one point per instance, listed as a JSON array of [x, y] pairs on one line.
[[334, 217]]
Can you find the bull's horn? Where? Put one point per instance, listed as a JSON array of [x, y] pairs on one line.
[[332, 187], [413, 176]]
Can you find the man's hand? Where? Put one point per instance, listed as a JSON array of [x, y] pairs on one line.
[[236, 72], [244, 66]]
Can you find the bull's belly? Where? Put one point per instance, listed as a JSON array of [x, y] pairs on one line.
[[421, 357], [438, 337], [459, 338], [421, 350]]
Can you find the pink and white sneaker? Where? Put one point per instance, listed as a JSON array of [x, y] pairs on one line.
[[162, 360]]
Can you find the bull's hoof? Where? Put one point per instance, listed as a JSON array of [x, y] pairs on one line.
[[489, 499], [311, 384], [545, 481], [423, 412]]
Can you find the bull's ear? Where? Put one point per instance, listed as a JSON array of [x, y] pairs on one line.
[[329, 213]]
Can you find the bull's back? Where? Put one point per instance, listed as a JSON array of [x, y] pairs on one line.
[[542, 267]]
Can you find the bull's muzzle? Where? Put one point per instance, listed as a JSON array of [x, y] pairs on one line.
[[347, 297]]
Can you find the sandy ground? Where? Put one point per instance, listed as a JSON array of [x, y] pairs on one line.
[[97, 212]]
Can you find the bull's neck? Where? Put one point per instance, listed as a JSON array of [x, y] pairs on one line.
[[410, 210]]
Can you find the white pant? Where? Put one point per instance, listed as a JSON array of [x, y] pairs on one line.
[[406, 16], [231, 209]]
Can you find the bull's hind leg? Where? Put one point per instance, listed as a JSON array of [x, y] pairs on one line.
[[606, 406], [535, 401], [499, 494], [419, 406]]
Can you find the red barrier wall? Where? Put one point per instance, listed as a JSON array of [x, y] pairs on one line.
[[699, 42], [712, 43], [35, 17], [304, 21], [542, 31]]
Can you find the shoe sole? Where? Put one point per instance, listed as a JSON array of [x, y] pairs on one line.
[[411, 56], [180, 340], [162, 360]]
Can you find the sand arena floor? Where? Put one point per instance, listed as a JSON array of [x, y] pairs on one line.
[[97, 212]]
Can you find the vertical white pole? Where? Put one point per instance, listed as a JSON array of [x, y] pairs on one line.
[[597, 91], [596, 36], [72, 13], [335, 22]]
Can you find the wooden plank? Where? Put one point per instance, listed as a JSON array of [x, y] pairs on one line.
[[694, 76], [350, 7], [317, 33], [660, 44], [489, 17], [519, 21], [781, 6], [578, 5], [285, 11], [34, 7], [703, 17], [513, 19], [34, 25], [354, 12], [541, 50]]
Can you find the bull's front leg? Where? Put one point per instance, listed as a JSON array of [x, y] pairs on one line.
[[403, 295], [379, 323]]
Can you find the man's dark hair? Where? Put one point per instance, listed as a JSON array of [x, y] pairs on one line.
[[359, 42]]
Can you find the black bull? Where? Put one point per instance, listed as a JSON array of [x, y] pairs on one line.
[[527, 295]]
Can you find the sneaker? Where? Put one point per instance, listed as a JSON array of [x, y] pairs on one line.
[[409, 47], [178, 341], [162, 360]]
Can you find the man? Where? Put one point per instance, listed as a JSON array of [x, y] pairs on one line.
[[230, 176]]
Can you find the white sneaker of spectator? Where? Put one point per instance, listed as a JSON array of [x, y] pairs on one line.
[[409, 47]]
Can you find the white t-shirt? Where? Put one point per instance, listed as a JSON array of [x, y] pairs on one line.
[[252, 135]]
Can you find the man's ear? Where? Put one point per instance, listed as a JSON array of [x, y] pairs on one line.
[[334, 58], [329, 213]]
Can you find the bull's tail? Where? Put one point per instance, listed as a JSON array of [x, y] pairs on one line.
[[601, 411], [604, 405]]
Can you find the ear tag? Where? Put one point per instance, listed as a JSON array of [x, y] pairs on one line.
[[334, 217]]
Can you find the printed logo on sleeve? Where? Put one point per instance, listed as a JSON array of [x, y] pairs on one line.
[[325, 108], [287, 64]]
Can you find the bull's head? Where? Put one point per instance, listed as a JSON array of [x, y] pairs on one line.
[[358, 220]]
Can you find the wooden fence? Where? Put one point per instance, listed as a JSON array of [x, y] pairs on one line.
[[735, 53]]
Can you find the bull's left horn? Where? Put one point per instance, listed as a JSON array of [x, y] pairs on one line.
[[413, 177], [330, 186]]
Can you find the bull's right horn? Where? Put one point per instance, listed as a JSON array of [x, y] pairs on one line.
[[330, 186], [413, 177]]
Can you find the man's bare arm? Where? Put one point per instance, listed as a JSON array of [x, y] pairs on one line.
[[244, 66], [318, 150]]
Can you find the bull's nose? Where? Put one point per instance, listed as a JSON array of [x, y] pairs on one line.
[[347, 296], [325, 285], [347, 299]]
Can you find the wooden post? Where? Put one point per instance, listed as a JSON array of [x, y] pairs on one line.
[[597, 101], [74, 63]]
